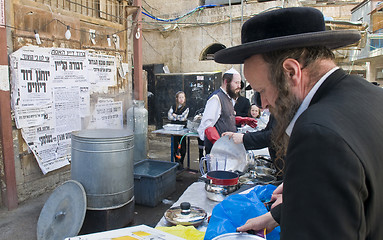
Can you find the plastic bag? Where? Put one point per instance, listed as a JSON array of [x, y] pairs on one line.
[[236, 209], [186, 232]]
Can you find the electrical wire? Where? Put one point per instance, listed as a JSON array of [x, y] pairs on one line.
[[194, 24], [148, 14], [202, 27], [154, 49]]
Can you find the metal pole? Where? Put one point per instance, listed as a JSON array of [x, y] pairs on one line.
[[137, 52]]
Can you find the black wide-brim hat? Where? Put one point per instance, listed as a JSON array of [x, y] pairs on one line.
[[285, 28]]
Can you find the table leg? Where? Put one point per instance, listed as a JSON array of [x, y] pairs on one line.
[[172, 148], [188, 147]]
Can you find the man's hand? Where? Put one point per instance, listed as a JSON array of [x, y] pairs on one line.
[[259, 223], [212, 134], [246, 120], [277, 196], [237, 137]]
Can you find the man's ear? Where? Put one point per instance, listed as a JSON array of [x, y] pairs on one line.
[[292, 69]]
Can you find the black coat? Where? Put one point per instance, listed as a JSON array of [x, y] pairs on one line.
[[242, 106], [260, 139], [334, 164]]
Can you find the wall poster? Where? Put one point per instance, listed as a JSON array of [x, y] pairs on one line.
[[50, 89]]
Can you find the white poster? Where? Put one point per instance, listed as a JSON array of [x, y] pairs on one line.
[[34, 77], [67, 108], [30, 117], [2, 14], [84, 101], [43, 141], [102, 70], [107, 115]]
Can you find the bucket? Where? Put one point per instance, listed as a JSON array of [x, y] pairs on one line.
[[102, 161]]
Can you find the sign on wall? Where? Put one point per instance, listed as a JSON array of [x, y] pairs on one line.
[[51, 90]]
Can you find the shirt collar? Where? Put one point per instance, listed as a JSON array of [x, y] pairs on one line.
[[223, 90], [307, 100], [233, 101]]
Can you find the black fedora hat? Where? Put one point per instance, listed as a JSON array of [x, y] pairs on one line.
[[283, 29]]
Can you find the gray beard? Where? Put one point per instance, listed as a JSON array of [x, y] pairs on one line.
[[284, 111]]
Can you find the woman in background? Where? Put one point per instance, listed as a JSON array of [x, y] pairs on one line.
[[178, 114]]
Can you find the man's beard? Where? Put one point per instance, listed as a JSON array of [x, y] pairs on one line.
[[286, 106], [231, 92]]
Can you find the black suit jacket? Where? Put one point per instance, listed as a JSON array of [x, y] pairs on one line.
[[333, 183], [260, 139], [242, 106]]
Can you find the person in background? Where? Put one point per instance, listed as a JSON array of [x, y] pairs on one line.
[[254, 112], [333, 166], [242, 104], [178, 114], [218, 116]]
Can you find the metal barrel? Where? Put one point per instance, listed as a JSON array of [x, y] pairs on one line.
[[102, 161]]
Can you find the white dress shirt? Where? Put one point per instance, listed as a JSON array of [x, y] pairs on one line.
[[307, 100]]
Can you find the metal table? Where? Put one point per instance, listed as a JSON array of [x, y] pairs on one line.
[[182, 132]]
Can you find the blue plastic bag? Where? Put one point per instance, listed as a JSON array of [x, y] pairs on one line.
[[236, 209]]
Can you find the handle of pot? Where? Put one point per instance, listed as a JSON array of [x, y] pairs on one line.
[[206, 180], [201, 165], [263, 157]]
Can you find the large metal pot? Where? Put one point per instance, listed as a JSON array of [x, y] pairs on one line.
[[219, 184], [102, 161], [218, 193]]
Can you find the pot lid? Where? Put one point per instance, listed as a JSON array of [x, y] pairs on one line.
[[239, 236], [63, 213], [185, 214]]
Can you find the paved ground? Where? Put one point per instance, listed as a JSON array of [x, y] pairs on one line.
[[21, 223]]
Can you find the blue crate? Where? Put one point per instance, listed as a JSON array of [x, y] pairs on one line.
[[154, 180]]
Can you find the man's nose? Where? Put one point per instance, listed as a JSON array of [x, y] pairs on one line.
[[264, 102]]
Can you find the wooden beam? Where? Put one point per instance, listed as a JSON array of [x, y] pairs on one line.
[[9, 193]]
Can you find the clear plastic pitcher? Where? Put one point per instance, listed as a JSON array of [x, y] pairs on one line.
[[213, 163]]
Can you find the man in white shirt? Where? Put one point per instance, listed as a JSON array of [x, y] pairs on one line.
[[218, 116]]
